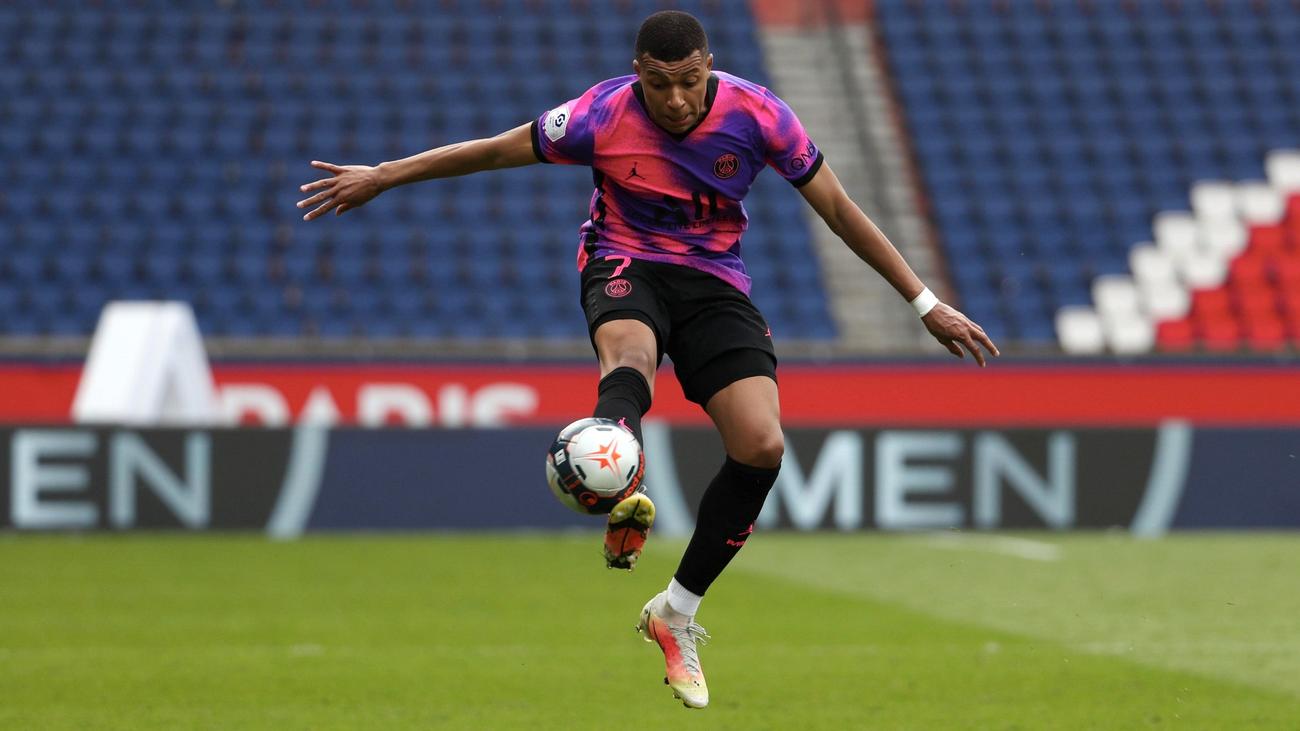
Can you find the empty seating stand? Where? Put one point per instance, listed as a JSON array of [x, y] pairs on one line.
[[1050, 133], [159, 146], [1257, 307]]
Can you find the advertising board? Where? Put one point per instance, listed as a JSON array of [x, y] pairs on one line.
[[925, 394], [287, 481]]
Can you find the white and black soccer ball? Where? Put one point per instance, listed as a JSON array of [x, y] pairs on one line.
[[593, 464]]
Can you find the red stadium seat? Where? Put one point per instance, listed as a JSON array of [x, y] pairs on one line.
[[1212, 303], [1290, 302], [1267, 239], [1250, 269], [1291, 233], [1175, 335], [1290, 298], [1287, 272], [1292, 223], [1220, 334], [1266, 332], [1291, 321], [1255, 302]]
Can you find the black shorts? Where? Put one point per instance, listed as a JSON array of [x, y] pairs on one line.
[[711, 330]]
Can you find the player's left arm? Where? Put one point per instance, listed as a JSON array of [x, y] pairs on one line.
[[950, 327]]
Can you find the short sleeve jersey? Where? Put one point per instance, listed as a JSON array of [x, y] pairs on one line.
[[675, 198]]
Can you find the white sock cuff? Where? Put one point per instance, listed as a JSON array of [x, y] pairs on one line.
[[681, 600]]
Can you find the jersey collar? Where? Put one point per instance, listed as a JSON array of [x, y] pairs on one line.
[[709, 95]]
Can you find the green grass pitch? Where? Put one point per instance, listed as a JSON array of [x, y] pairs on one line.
[[947, 631]]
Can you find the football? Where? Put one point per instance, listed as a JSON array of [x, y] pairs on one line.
[[593, 464]]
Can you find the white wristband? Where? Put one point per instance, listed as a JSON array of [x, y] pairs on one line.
[[924, 302]]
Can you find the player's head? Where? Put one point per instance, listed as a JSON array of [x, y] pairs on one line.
[[672, 63]]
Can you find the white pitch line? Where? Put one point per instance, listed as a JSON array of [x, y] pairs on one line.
[[1025, 548]]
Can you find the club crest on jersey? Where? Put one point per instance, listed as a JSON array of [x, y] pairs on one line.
[[557, 122], [726, 165], [618, 288]]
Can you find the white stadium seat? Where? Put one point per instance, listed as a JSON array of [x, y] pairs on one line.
[[1260, 204], [1130, 336], [1214, 200], [1283, 169], [1116, 297], [1224, 237], [1203, 271], [1119, 306], [1164, 300], [1079, 330], [1175, 233], [1151, 265]]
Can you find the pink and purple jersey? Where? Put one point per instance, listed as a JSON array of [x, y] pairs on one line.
[[675, 198]]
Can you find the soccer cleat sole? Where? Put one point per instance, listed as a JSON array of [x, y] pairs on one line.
[[625, 535]]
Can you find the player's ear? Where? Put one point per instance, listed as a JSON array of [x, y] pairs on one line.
[[708, 63], [636, 67]]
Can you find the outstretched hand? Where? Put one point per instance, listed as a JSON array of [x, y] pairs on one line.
[[954, 330], [351, 186]]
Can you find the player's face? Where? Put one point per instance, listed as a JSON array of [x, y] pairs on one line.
[[674, 90]]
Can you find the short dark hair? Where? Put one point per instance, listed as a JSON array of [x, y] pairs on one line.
[[671, 35]]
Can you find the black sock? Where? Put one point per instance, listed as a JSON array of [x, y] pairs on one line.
[[624, 395], [726, 517]]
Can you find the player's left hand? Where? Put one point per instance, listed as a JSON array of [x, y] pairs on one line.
[[954, 330], [351, 186]]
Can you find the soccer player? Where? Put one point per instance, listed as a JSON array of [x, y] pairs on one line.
[[673, 149]]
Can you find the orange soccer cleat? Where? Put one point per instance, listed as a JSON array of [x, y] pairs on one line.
[[625, 534], [677, 636]]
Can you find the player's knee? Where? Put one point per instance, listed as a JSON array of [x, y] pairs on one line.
[[770, 450], [638, 358], [762, 450], [631, 356], [627, 344]]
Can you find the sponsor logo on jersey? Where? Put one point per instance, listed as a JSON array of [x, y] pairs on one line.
[[726, 165], [805, 158], [557, 122], [618, 288]]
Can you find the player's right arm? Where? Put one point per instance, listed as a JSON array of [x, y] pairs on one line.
[[352, 186]]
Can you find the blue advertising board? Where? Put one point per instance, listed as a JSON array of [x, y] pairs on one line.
[[287, 481]]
